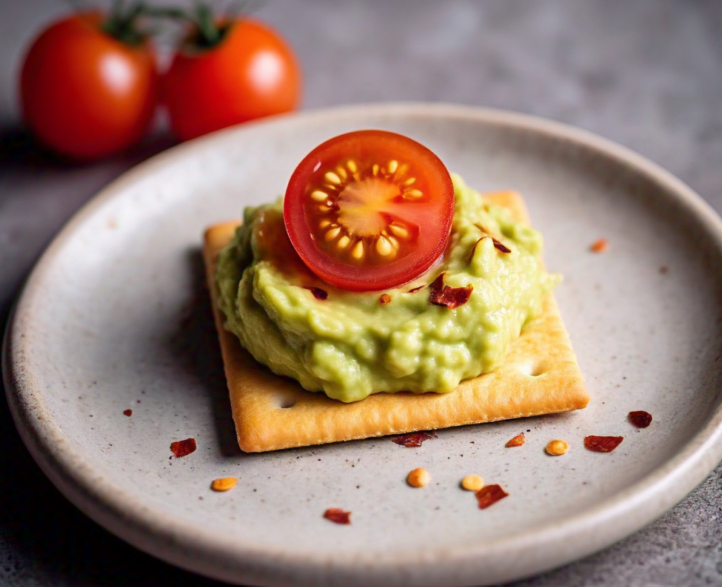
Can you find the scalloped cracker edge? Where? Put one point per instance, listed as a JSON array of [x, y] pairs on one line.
[[540, 375]]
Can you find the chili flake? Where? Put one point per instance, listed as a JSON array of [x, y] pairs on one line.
[[318, 293], [128, 413], [602, 443], [182, 448], [415, 289], [599, 246], [450, 297], [337, 516], [518, 440], [414, 439], [499, 246], [489, 495], [384, 299], [640, 419]]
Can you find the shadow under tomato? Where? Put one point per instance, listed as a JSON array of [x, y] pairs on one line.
[[20, 149]]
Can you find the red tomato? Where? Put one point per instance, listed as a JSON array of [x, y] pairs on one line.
[[84, 93], [250, 73], [369, 210]]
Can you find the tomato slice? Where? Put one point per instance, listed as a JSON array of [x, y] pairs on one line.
[[369, 210]]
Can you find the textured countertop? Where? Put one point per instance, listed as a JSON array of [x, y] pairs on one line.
[[645, 73]]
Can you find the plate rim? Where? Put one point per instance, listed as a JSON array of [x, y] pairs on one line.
[[201, 551]]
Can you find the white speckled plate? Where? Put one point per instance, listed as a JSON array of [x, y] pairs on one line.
[[115, 317]]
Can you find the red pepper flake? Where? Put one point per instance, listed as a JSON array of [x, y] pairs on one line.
[[414, 439], [518, 440], [599, 246], [337, 516], [414, 290], [450, 297], [318, 293], [489, 495], [182, 448], [128, 413], [500, 246], [384, 299], [602, 443], [640, 419]]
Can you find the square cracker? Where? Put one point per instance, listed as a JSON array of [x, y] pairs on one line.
[[540, 375]]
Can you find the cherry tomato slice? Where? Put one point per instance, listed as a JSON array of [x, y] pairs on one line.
[[369, 210]]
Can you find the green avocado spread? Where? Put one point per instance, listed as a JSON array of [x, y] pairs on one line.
[[352, 344]]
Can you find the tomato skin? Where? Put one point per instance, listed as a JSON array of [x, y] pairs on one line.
[[377, 186], [250, 74], [85, 94]]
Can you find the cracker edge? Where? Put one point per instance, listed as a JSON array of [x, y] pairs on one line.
[[258, 396]]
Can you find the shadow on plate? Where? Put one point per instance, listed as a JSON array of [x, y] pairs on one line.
[[195, 345], [45, 540]]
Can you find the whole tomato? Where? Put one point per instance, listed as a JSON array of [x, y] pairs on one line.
[[85, 93], [249, 73]]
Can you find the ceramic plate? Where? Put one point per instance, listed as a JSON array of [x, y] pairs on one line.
[[115, 318]]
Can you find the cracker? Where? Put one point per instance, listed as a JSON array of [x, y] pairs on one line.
[[540, 375]]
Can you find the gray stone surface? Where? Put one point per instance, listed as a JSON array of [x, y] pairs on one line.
[[646, 73]]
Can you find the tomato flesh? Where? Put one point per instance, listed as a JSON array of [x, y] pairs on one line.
[[369, 210]]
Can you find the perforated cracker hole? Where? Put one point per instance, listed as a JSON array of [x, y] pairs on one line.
[[533, 369], [286, 401]]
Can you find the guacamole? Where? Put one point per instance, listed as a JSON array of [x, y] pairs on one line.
[[352, 344]]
